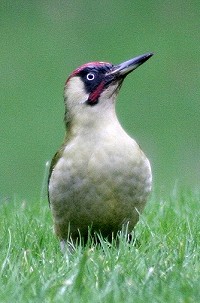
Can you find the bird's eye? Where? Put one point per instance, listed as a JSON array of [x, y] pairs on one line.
[[90, 76]]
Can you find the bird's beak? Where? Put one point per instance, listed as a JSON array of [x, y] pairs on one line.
[[123, 69]]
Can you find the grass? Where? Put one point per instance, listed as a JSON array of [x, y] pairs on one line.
[[164, 267]]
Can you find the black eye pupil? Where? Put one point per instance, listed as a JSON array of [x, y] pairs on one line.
[[90, 76]]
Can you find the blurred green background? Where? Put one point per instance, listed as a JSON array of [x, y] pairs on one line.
[[159, 104]]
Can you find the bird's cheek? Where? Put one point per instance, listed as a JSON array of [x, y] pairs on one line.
[[95, 94]]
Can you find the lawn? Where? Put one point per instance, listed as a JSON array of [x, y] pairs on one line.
[[163, 265]]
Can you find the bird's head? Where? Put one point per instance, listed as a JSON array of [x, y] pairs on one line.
[[91, 89]]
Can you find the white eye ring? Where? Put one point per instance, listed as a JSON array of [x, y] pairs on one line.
[[90, 76]]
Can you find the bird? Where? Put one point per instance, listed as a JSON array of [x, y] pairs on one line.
[[100, 179]]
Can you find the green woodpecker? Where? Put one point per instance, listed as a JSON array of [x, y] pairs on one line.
[[100, 178]]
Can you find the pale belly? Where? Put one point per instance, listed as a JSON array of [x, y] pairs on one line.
[[102, 189]]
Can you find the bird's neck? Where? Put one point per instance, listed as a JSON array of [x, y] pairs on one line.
[[94, 124]]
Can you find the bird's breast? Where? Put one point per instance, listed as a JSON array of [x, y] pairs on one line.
[[100, 181], [110, 165]]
